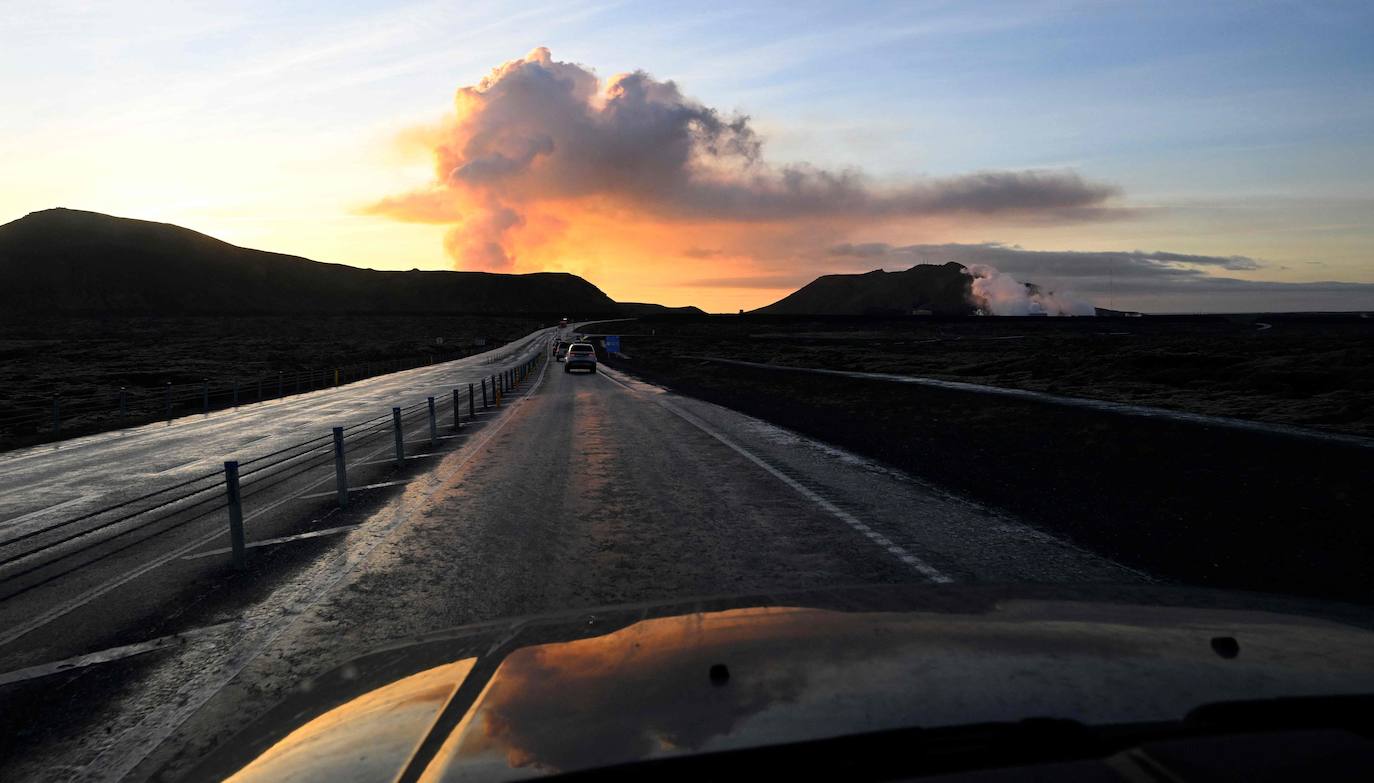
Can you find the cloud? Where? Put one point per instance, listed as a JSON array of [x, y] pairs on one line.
[[1155, 281], [1013, 258], [542, 137], [703, 252]]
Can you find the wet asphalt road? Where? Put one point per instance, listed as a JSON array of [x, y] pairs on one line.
[[57, 480], [591, 490]]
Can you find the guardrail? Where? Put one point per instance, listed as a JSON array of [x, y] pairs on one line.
[[50, 550], [125, 405]]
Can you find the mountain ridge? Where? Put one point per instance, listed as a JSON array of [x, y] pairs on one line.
[[66, 260], [937, 289]]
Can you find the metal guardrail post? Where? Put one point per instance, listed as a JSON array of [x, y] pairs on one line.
[[457, 409], [400, 447], [472, 411], [340, 472], [56, 416], [433, 425], [231, 486], [484, 394], [123, 402]]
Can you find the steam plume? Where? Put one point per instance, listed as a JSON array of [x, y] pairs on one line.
[[996, 293]]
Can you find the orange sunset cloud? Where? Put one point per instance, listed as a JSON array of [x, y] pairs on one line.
[[543, 165]]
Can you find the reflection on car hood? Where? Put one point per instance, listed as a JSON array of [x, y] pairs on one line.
[[539, 696]]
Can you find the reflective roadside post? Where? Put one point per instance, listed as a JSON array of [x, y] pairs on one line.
[[484, 394], [433, 425], [472, 411], [400, 447], [457, 409], [231, 486], [340, 472], [123, 402]]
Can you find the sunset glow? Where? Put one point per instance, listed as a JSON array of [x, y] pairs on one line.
[[719, 157]]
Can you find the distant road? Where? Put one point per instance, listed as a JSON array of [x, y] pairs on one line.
[[64, 479]]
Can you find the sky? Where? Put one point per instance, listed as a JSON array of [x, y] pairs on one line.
[[1155, 156]]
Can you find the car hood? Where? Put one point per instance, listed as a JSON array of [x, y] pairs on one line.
[[537, 696]]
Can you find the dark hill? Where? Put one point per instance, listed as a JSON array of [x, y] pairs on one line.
[[940, 289], [66, 260], [647, 308]]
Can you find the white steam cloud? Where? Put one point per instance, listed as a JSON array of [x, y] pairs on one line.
[[996, 293]]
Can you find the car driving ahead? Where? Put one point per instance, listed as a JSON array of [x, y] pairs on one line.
[[581, 356]]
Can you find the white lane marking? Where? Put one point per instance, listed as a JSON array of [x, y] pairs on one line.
[[46, 509], [921, 567], [393, 459], [106, 656], [125, 752], [425, 441], [272, 541], [358, 489], [196, 461]]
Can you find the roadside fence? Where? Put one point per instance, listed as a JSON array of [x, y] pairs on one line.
[[35, 553], [126, 405]]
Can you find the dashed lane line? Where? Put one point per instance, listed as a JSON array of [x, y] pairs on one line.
[[329, 531], [915, 563], [379, 485]]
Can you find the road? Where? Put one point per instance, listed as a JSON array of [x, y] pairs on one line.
[[590, 490], [36, 483], [82, 517]]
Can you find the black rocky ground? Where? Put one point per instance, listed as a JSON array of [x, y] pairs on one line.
[[1203, 505]]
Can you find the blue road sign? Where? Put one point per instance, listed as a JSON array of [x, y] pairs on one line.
[[613, 343]]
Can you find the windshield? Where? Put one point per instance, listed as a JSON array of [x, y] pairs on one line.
[[334, 340]]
